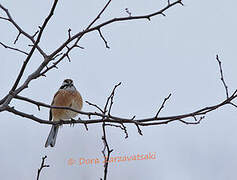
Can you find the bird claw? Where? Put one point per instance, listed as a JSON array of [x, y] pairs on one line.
[[72, 122]]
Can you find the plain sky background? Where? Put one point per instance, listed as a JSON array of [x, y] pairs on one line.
[[173, 54]]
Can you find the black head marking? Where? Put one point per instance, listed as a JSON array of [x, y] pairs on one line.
[[66, 83]]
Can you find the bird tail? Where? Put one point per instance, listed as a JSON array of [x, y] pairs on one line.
[[51, 140]]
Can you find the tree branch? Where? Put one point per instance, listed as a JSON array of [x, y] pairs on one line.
[[100, 13], [222, 77], [96, 106], [97, 27], [104, 115], [34, 46], [41, 71], [116, 119], [162, 105], [21, 31], [102, 37], [15, 49], [43, 165], [104, 137]]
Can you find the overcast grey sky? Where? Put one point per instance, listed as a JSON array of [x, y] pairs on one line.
[[173, 54]]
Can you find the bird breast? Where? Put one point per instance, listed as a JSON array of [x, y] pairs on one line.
[[66, 98]]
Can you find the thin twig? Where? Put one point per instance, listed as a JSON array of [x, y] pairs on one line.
[[69, 33], [102, 37], [35, 34], [17, 37], [15, 49], [128, 12], [194, 122], [109, 151], [222, 77], [100, 13], [138, 128], [7, 19], [122, 127], [43, 165], [109, 99], [162, 105], [96, 106]]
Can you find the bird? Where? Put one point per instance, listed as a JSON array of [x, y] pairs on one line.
[[66, 96]]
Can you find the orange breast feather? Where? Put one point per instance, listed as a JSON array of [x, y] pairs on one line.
[[71, 99]]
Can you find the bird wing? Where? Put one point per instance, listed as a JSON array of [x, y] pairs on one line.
[[50, 111]]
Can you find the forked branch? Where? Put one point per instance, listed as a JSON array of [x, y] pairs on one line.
[[43, 165]]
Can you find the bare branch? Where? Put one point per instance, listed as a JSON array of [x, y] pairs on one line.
[[138, 128], [195, 122], [85, 122], [222, 77], [20, 30], [4, 18], [109, 99], [162, 105], [17, 37], [79, 35], [34, 46], [233, 104], [15, 49], [59, 54], [103, 115], [25, 115], [35, 34], [109, 151], [86, 126], [43, 165], [67, 55], [69, 33], [102, 37], [122, 127], [128, 12], [112, 98], [180, 2], [79, 46], [76, 42], [115, 119], [106, 145], [97, 27], [3, 100], [96, 106], [54, 65], [100, 13]]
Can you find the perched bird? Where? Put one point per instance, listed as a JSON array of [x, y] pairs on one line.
[[68, 96]]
